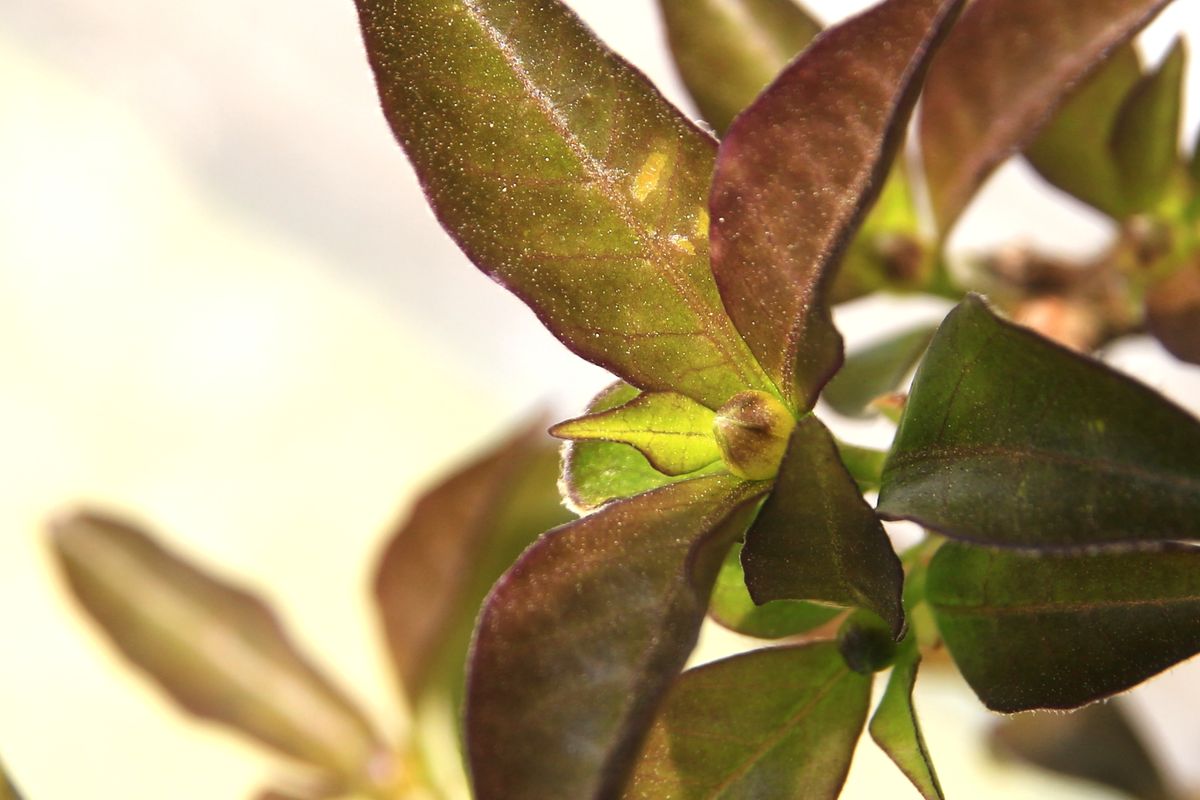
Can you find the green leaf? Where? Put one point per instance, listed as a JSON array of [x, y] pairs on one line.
[[779, 723], [864, 464], [674, 433], [895, 728], [567, 178], [1173, 311], [798, 171], [217, 650], [595, 472], [459, 538], [1146, 139], [8, 790], [1096, 743], [1061, 630], [580, 640], [1011, 440], [876, 370], [733, 608], [1074, 151], [1006, 68], [727, 51], [817, 539]]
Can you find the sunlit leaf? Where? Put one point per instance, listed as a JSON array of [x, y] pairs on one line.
[[817, 539], [674, 433], [459, 537], [216, 649], [733, 608], [1061, 630], [1004, 70], [1009, 439], [1173, 312], [727, 51], [775, 723], [566, 177], [594, 472], [579, 641], [1146, 139], [1096, 743], [796, 174], [895, 728], [876, 370]]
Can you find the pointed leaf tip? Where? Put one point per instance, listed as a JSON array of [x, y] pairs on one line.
[[895, 728]]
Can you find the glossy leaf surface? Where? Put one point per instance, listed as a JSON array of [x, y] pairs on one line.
[[567, 178], [875, 370], [1009, 439], [1146, 139], [674, 433], [817, 539], [458, 539], [796, 174], [779, 723], [579, 641], [217, 650], [895, 728], [1173, 312], [1004, 70], [595, 472], [727, 51], [1058, 631], [733, 608], [1097, 743]]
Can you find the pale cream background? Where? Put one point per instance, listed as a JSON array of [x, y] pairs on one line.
[[225, 309]]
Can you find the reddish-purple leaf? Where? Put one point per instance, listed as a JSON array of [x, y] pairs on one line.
[[579, 641], [567, 178], [797, 172], [1006, 68]]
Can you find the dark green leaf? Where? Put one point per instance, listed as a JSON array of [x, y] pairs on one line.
[[673, 432], [1061, 630], [8, 790], [459, 538], [727, 51], [1005, 69], [1146, 139], [796, 174], [817, 539], [594, 472], [216, 649], [1173, 311], [566, 177], [895, 728], [1096, 743], [1009, 439], [779, 723], [1075, 149], [733, 608], [876, 370], [579, 641]]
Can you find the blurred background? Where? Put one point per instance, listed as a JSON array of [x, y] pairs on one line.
[[226, 311]]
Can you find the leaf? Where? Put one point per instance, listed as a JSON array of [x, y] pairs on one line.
[[895, 728], [1173, 312], [817, 539], [733, 608], [568, 179], [1061, 630], [459, 538], [864, 464], [1096, 743], [727, 51], [780, 722], [595, 472], [8, 791], [1146, 139], [1011, 440], [217, 650], [1074, 151], [796, 174], [876, 370], [1008, 65], [579, 641], [675, 434]]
